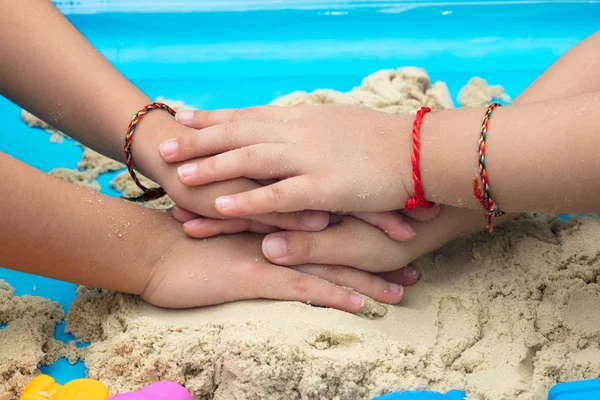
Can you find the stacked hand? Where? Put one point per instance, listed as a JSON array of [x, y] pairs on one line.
[[272, 164], [333, 158]]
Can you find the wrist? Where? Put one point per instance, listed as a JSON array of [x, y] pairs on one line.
[[405, 123], [160, 235], [449, 156], [153, 129]]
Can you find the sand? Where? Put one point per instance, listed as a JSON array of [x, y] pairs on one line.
[[27, 341], [501, 316]]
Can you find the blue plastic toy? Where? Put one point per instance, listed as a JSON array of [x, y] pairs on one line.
[[422, 395], [580, 390]]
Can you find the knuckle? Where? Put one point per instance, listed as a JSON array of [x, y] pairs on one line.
[[249, 268], [305, 247], [211, 165], [200, 116], [301, 283], [242, 113], [188, 142], [273, 112], [227, 131], [257, 112], [247, 155], [274, 194]]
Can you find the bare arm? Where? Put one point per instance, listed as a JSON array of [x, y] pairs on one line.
[[540, 156], [575, 73], [555, 82], [55, 229], [50, 69]]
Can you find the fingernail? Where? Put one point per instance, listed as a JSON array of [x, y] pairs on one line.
[[194, 222], [275, 247], [169, 147], [314, 221], [396, 289], [184, 116], [224, 202], [410, 272], [357, 300], [187, 170]]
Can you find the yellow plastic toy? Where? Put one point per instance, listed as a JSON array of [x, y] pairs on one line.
[[44, 387]]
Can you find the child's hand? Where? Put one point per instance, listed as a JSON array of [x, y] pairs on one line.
[[230, 268], [392, 223], [333, 158], [359, 245], [154, 129], [200, 200]]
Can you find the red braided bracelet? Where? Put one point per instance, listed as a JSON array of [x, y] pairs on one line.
[[149, 193], [481, 187], [419, 198]]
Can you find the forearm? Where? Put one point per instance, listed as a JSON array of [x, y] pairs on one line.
[[574, 73], [50, 69], [555, 82], [539, 156], [52, 228]]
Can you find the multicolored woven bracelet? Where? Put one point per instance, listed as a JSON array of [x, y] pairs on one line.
[[419, 198], [481, 186], [149, 193]]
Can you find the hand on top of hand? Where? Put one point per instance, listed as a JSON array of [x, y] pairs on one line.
[[330, 158], [200, 200], [232, 267]]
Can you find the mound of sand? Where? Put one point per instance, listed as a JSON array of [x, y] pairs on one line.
[[27, 341], [502, 316]]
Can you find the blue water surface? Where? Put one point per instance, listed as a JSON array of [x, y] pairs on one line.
[[219, 59]]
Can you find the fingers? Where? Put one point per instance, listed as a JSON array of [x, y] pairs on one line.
[[352, 243], [406, 276], [218, 139], [201, 200], [200, 119], [284, 196], [422, 214], [201, 228], [363, 282], [359, 245], [277, 283], [298, 221], [390, 222], [262, 161], [182, 215]]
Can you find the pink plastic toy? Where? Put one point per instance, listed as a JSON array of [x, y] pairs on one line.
[[157, 391]]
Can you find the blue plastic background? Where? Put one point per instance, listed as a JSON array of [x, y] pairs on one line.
[[219, 59]]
